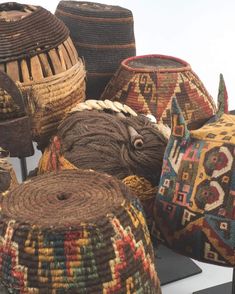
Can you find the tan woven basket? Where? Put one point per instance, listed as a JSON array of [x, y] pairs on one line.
[[44, 64]]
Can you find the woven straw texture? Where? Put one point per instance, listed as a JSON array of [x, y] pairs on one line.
[[8, 178], [49, 99], [39, 56], [146, 193], [35, 32], [194, 208], [103, 35], [75, 232], [148, 83]]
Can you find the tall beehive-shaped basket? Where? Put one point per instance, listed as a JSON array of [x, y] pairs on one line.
[[38, 54], [103, 35]]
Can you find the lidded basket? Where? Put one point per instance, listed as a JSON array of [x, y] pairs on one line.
[[72, 232], [39, 56], [148, 83], [103, 35]]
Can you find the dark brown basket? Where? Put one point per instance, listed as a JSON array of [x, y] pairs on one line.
[[100, 135], [148, 83], [103, 35], [72, 232]]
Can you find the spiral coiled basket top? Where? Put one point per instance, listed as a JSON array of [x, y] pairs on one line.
[[75, 232]]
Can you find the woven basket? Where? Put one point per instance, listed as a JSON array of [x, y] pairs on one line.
[[37, 52], [148, 83], [103, 35], [107, 137], [8, 178], [194, 208], [75, 232]]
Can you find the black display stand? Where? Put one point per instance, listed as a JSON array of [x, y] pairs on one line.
[[227, 288], [172, 267], [3, 290], [23, 166]]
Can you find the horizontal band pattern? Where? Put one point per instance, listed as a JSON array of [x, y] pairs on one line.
[[103, 50], [37, 32], [148, 83]]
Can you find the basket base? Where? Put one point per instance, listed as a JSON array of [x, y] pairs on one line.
[[172, 267]]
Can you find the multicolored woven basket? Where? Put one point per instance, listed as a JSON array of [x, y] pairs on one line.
[[38, 54], [75, 232], [194, 207], [148, 83], [103, 35]]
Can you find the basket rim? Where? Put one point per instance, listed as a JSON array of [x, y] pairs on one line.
[[10, 4], [185, 65], [91, 6]]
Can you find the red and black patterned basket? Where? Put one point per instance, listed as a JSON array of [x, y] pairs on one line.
[[148, 83]]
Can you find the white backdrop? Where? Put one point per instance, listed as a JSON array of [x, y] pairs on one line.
[[201, 32]]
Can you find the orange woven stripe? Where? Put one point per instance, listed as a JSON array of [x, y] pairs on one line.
[[118, 46]]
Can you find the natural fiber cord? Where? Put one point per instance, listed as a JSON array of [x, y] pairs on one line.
[[107, 141], [75, 232]]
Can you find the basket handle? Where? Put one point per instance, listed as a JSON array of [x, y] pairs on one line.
[[7, 84]]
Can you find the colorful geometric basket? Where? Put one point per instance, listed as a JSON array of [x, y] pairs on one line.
[[38, 54], [148, 83], [75, 232], [194, 207], [103, 35]]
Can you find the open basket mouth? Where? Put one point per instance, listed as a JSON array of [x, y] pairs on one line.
[[12, 11], [93, 9], [155, 63]]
